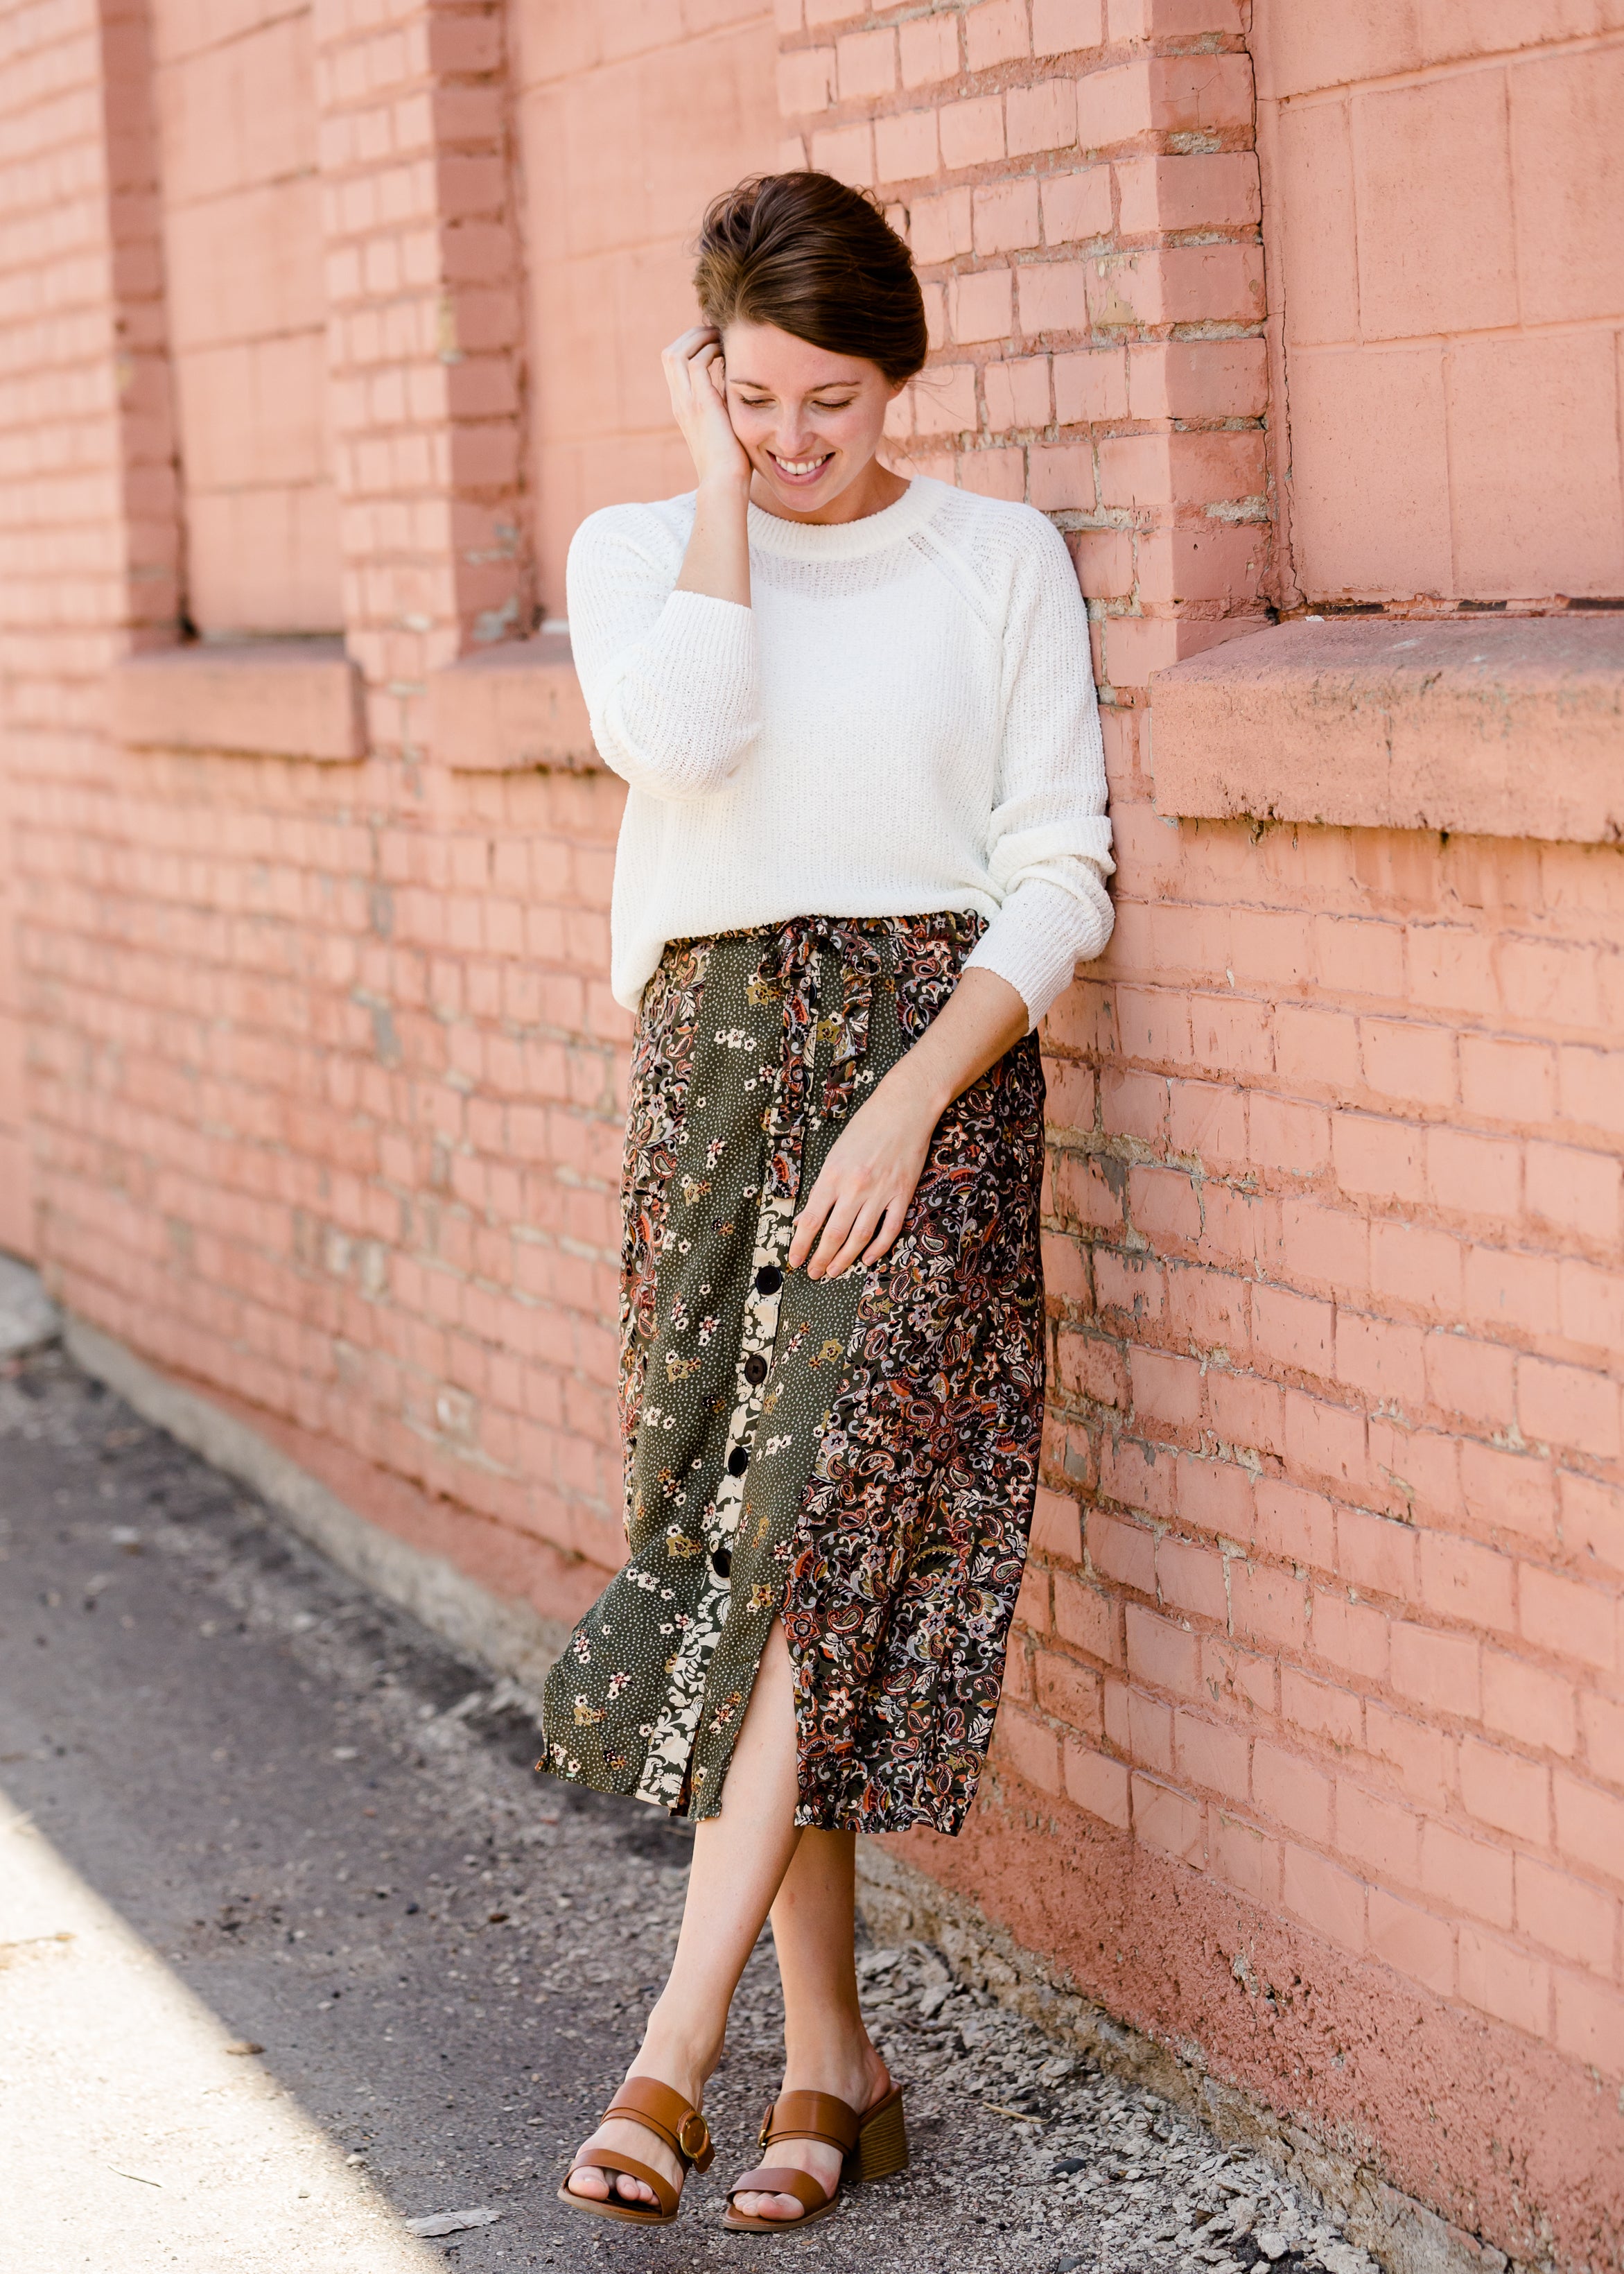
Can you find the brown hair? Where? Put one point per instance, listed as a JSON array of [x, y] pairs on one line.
[[805, 252]]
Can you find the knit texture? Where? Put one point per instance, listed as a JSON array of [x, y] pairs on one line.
[[903, 721]]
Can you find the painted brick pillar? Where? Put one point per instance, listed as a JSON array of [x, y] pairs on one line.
[[425, 324], [89, 549]]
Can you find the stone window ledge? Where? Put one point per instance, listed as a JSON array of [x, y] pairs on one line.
[[293, 698], [512, 708], [1496, 727]]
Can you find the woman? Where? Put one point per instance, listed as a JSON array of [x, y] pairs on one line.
[[864, 847]]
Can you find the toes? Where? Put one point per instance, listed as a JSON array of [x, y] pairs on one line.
[[587, 2180], [633, 2191]]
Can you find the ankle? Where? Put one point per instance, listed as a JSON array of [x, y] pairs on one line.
[[679, 2055], [824, 2059]]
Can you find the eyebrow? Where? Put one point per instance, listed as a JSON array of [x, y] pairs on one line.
[[761, 388]]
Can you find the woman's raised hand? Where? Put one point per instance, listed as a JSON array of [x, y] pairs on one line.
[[694, 375]]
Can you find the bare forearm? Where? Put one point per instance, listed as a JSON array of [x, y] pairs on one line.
[[718, 559], [982, 1018]]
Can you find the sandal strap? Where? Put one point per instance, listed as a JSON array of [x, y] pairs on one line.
[[604, 2160], [811, 2116], [659, 2110], [772, 2181]]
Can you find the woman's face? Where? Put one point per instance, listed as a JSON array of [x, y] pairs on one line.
[[809, 421]]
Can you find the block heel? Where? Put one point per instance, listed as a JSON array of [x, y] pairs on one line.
[[883, 2139]]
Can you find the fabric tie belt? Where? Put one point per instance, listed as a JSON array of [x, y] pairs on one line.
[[788, 971]]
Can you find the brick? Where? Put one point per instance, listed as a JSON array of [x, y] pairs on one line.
[[942, 225], [1006, 216], [1017, 393], [1197, 468], [1379, 1357], [1198, 379], [972, 132], [1041, 117], [1290, 1791], [1507, 1080], [1097, 1783], [1568, 1406], [1592, 1515], [1589, 2024], [1114, 105], [1061, 28], [806, 80], [1325, 1442], [1574, 1191], [1529, 1703], [1245, 1858], [928, 50], [1436, 1670], [1469, 1876], [1216, 190], [995, 32], [1167, 1389], [1568, 1617], [1501, 1789], [1328, 1247], [980, 307], [1032, 1604], [1168, 1819], [905, 146], [1500, 1979], [1077, 207], [1462, 1580], [1377, 1835], [1085, 1617], [1031, 1750], [1294, 1330], [1125, 1553], [1377, 1159], [1326, 1899], [1056, 1525], [866, 63], [1161, 1654], [1070, 1692], [1558, 1910], [1589, 1826], [1061, 476], [1052, 297], [1603, 1722], [1191, 1578], [1413, 1941], [1376, 1555]]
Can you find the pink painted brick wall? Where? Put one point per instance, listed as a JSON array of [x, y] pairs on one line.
[[688, 89], [1318, 1666], [235, 96], [1444, 191]]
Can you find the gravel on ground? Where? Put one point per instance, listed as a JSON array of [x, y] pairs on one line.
[[326, 1826]]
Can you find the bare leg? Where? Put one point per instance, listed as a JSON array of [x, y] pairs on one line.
[[740, 1859], [826, 2046]]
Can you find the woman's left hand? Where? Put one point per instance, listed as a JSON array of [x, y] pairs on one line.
[[858, 1203], [861, 1195]]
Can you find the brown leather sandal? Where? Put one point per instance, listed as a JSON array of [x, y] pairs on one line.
[[878, 2138], [644, 2100]]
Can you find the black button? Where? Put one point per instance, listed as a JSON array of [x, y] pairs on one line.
[[769, 1279], [756, 1367], [738, 1461], [721, 1562]]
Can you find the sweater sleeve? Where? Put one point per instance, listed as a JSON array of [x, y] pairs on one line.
[[1050, 841], [669, 677]]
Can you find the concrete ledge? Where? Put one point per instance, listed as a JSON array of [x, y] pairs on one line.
[[275, 698], [900, 1903], [1492, 727], [510, 708], [510, 1638]]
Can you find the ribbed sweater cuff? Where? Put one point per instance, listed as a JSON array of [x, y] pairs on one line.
[[1038, 938]]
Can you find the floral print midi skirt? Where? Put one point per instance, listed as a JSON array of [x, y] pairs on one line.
[[856, 1455]]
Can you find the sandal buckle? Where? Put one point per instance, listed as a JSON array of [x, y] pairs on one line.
[[692, 2147]]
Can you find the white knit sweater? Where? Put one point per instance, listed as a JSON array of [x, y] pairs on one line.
[[903, 721]]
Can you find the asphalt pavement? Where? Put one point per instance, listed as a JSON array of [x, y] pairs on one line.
[[297, 1951]]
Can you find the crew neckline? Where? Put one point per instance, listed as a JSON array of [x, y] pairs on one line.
[[848, 540]]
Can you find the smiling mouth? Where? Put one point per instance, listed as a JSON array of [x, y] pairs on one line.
[[801, 470]]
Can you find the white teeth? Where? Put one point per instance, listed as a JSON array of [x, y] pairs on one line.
[[800, 465]]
